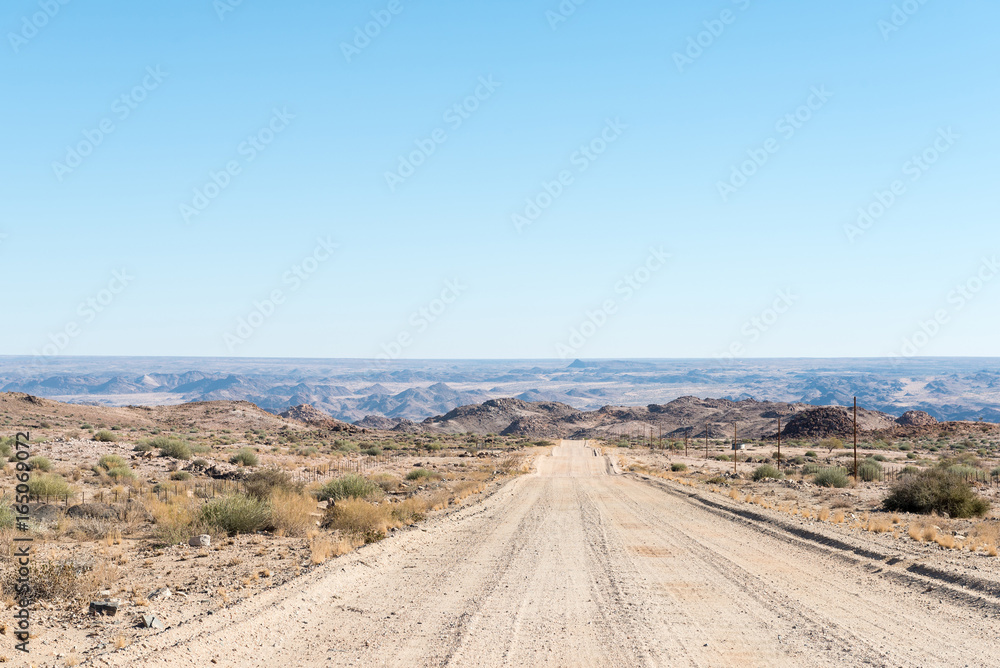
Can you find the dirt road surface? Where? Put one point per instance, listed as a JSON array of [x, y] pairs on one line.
[[575, 565]]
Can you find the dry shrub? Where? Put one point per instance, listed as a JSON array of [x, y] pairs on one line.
[[878, 525], [322, 546], [64, 580], [838, 517], [824, 514], [511, 464], [735, 495], [439, 500], [292, 513], [410, 510], [388, 482], [947, 540], [175, 519], [930, 533], [357, 517], [466, 488], [916, 533]]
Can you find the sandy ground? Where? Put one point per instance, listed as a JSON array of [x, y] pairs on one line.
[[576, 565]]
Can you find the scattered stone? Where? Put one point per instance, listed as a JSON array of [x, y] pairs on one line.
[[108, 607], [204, 540], [101, 511], [916, 419], [160, 594], [151, 621]]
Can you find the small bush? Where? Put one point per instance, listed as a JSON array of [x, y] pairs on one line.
[[723, 458], [409, 510], [870, 471], [387, 481], [292, 512], [798, 460], [108, 462], [245, 457], [936, 491], [879, 458], [420, 474], [121, 473], [7, 517], [766, 472], [48, 484], [105, 436], [201, 463], [347, 446], [677, 467], [360, 518], [372, 452], [180, 475], [262, 484], [142, 447], [811, 453], [831, 477], [350, 486], [39, 464], [237, 513]]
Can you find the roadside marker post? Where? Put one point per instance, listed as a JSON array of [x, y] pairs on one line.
[[855, 440]]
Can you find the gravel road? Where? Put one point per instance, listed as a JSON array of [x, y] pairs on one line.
[[575, 565]]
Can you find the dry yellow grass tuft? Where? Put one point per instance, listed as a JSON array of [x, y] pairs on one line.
[[878, 525], [824, 514], [946, 540], [930, 533], [292, 514], [838, 517], [916, 533], [120, 641]]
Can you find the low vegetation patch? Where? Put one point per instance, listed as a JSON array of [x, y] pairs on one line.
[[245, 457], [350, 486], [766, 472], [422, 474], [936, 491], [236, 513], [831, 477]]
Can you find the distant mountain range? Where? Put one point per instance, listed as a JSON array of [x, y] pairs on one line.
[[351, 390]]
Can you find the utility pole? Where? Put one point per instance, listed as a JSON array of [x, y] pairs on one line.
[[687, 437], [779, 440], [706, 440], [736, 453], [855, 439]]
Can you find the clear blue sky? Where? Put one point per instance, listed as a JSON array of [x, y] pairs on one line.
[[679, 127]]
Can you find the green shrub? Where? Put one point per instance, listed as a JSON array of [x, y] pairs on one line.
[[765, 472], [350, 486], [678, 467], [372, 452], [200, 448], [39, 464], [245, 457], [237, 513], [7, 517], [180, 475], [176, 449], [6, 447], [798, 460], [203, 463], [419, 474], [107, 462], [811, 453], [870, 471], [48, 484], [105, 436], [347, 446], [433, 447], [879, 458], [831, 477], [121, 473], [723, 458], [910, 470], [142, 447], [936, 491]]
